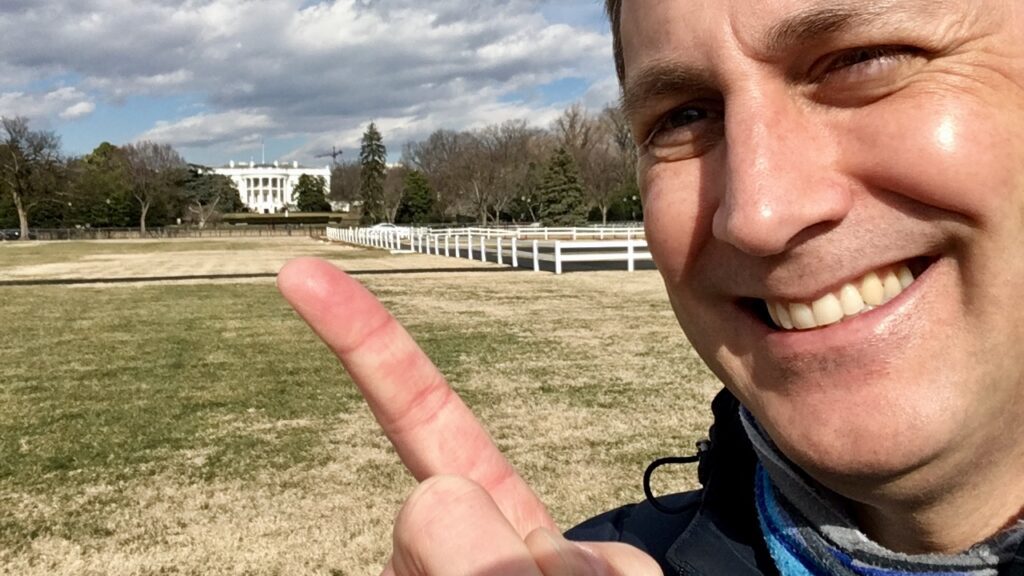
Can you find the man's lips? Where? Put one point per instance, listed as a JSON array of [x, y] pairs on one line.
[[823, 307], [851, 299]]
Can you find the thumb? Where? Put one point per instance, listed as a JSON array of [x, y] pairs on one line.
[[556, 556]]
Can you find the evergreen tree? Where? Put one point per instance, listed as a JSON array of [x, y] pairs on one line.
[[418, 200], [373, 169], [208, 195], [309, 194], [101, 189], [8, 215], [561, 192]]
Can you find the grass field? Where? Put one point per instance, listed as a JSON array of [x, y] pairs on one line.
[[200, 428]]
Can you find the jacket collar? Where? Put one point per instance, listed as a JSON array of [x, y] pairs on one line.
[[724, 536]]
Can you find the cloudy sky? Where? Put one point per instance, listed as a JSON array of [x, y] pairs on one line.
[[216, 78]]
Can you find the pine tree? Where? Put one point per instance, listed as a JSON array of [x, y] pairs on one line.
[[309, 194], [418, 200], [373, 168], [561, 192]]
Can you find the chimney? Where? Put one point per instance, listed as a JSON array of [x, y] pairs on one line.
[[295, 163]]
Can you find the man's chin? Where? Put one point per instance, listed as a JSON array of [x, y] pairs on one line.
[[857, 450]]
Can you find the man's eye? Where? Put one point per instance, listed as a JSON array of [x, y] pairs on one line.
[[865, 63], [861, 76], [682, 133]]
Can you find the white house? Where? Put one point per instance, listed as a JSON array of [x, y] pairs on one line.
[[267, 188]]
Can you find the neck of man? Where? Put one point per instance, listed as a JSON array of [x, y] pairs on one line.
[[919, 515]]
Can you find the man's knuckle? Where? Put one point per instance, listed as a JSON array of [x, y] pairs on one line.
[[434, 501]]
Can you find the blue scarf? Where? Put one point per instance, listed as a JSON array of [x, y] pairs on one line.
[[809, 533]]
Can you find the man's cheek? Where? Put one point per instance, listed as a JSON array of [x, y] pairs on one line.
[[951, 154], [677, 216]]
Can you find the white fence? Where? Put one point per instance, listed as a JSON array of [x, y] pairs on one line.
[[515, 246]]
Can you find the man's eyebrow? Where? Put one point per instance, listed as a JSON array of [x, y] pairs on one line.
[[834, 18], [815, 23], [661, 78], [824, 19]]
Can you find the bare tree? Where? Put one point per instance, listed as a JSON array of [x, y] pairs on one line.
[[604, 152], [394, 186], [510, 148], [345, 181], [154, 169], [616, 127], [574, 130], [30, 166], [202, 213], [610, 162], [441, 158]]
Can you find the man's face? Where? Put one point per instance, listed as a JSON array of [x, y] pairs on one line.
[[795, 150]]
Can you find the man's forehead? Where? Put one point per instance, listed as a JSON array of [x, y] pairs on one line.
[[676, 44], [762, 28]]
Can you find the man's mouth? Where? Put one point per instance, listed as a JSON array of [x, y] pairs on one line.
[[853, 298]]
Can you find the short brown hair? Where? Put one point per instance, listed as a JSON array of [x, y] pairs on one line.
[[614, 10]]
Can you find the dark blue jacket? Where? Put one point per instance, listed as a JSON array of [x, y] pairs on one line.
[[714, 531]]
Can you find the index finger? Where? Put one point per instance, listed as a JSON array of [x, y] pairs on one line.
[[432, 430]]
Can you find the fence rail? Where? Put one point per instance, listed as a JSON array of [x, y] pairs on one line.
[[512, 247], [173, 232]]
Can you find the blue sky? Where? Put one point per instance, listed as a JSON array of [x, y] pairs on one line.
[[224, 79]]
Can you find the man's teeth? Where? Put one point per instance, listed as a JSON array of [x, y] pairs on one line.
[[874, 289]]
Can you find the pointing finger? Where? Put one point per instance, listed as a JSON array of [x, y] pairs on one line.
[[431, 428]]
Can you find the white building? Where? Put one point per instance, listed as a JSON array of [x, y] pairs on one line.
[[267, 188]]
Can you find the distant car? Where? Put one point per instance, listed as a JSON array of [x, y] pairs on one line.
[[389, 228], [15, 234]]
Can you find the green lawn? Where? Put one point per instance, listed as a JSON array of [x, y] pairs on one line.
[[202, 429]]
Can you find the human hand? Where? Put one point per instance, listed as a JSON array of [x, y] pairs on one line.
[[471, 514]]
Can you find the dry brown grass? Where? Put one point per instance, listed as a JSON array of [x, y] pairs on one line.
[[581, 379]]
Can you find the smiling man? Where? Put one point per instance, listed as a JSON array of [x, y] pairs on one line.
[[834, 196]]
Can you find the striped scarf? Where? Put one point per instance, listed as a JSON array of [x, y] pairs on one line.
[[809, 533]]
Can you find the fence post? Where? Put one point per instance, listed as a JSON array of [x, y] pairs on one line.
[[446, 253], [483, 250], [574, 233], [515, 253], [469, 247], [629, 252], [501, 257], [536, 260], [458, 253], [558, 256]]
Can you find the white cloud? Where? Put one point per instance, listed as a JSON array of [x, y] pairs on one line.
[[65, 102], [284, 68], [238, 126], [79, 110]]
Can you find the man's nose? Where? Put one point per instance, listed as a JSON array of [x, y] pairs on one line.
[[781, 177]]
